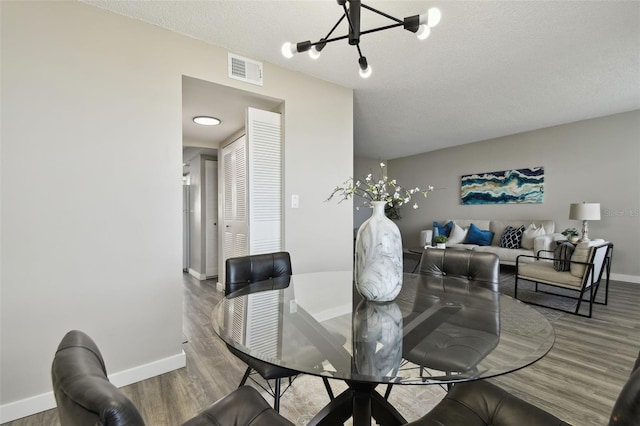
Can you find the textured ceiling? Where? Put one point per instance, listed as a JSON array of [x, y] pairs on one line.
[[489, 69]]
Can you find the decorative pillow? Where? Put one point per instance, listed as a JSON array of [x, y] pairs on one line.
[[478, 236], [530, 234], [580, 254], [441, 229], [458, 234], [512, 237], [561, 256]]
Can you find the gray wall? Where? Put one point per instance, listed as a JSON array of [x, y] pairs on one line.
[[595, 160], [91, 207]]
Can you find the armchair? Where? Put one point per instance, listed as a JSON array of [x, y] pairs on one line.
[[85, 396], [589, 262]]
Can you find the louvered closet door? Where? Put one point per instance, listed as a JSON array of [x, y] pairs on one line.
[[265, 181], [235, 215]]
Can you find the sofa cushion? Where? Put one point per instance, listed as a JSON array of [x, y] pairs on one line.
[[542, 271], [441, 229], [478, 236], [512, 237], [561, 256], [458, 234], [530, 233], [507, 256]]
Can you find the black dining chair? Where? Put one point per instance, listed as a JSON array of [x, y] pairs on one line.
[[481, 403], [85, 396], [469, 332], [245, 271]]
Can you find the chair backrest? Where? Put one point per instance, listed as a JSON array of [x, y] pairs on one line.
[[478, 268], [626, 411], [244, 270], [84, 395]]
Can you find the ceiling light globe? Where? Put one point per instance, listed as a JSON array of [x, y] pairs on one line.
[[423, 32], [288, 50], [434, 17]]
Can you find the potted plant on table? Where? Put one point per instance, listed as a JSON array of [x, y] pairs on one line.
[[441, 241], [571, 234]]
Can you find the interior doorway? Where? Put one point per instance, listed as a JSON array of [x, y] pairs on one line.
[[200, 97]]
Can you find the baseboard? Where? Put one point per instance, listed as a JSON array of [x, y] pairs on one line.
[[46, 401], [197, 274], [626, 278]]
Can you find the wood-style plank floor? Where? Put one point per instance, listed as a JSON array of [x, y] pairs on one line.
[[577, 381]]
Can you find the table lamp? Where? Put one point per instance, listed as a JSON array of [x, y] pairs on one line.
[[584, 212]]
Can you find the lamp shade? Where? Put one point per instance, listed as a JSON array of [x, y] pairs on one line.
[[584, 211]]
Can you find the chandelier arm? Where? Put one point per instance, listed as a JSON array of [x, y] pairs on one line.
[[386, 27], [381, 13], [329, 40]]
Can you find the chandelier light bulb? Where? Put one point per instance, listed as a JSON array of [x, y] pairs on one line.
[[365, 73], [314, 53], [423, 32], [288, 50], [433, 17]]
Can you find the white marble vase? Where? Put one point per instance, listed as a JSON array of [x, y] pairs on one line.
[[378, 263]]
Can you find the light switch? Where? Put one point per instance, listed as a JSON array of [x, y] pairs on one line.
[[295, 201]]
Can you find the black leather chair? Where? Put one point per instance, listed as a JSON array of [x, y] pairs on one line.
[[472, 331], [470, 267], [85, 396], [481, 403], [242, 272]]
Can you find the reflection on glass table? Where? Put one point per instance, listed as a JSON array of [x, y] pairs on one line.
[[437, 331]]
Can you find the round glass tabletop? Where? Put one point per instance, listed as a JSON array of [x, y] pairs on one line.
[[438, 329]]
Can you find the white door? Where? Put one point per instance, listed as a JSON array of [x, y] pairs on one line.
[[235, 220], [265, 181], [211, 217]]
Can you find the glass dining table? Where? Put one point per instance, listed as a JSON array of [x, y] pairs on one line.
[[439, 330]]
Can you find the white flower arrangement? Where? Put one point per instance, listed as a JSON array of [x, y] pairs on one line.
[[384, 189]]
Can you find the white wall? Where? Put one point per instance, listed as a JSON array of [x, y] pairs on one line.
[[91, 189], [595, 160]]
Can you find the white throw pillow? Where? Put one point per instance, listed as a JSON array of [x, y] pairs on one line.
[[458, 234], [530, 234]]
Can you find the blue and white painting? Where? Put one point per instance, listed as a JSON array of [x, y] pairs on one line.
[[520, 186]]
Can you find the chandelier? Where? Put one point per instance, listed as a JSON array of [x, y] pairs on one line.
[[419, 24]]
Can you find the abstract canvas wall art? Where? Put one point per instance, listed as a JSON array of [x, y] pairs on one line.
[[520, 186]]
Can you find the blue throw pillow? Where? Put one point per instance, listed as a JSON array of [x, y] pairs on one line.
[[442, 229], [478, 237]]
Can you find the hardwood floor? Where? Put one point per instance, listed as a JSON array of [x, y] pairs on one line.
[[577, 381]]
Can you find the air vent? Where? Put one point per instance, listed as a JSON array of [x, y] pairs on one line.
[[244, 69]]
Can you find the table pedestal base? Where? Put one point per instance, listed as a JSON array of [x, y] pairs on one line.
[[362, 402]]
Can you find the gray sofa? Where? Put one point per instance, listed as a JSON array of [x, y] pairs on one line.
[[508, 256]]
